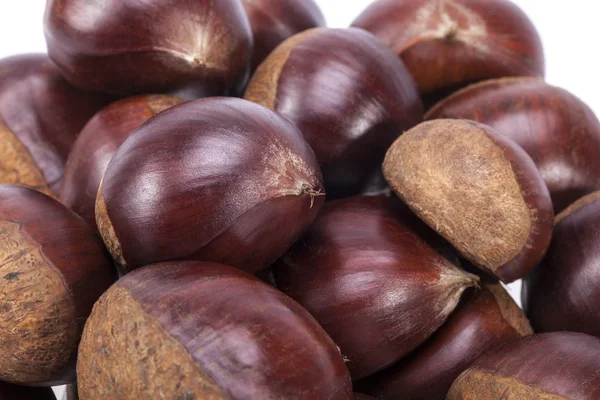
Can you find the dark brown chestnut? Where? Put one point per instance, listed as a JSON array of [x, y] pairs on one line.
[[71, 392], [96, 145], [41, 115], [374, 285], [562, 293], [558, 131], [478, 189], [12, 392], [52, 270], [482, 321], [216, 179], [131, 46], [448, 44], [548, 366], [350, 104], [272, 22], [198, 330], [360, 396]]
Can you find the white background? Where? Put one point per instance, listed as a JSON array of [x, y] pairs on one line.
[[569, 31]]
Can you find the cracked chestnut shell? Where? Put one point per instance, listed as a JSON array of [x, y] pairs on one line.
[[552, 366], [478, 189], [41, 115], [374, 285], [131, 46], [350, 104], [199, 330], [558, 131], [53, 268], [272, 22], [96, 145], [482, 321], [216, 179], [13, 392], [448, 44], [561, 295]]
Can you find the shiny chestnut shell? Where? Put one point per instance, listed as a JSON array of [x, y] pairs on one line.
[[203, 330], [350, 104]]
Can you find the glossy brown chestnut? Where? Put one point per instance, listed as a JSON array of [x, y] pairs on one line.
[[131, 46], [558, 131], [478, 189], [272, 22], [41, 115], [217, 179], [52, 270], [374, 285], [448, 44], [198, 330], [562, 293], [482, 321], [96, 145], [350, 104], [549, 366], [12, 392]]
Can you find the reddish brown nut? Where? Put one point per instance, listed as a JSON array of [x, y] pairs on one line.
[[550, 366], [558, 131], [216, 179], [478, 189], [562, 293], [197, 330], [41, 115], [272, 22], [376, 287], [96, 145], [482, 321], [447, 44], [12, 392], [52, 270], [131, 46], [350, 104]]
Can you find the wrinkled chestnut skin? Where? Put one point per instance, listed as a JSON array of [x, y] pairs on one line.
[[242, 338], [131, 46], [54, 269], [448, 44], [96, 145], [41, 115], [272, 22], [558, 131], [12, 392], [216, 179], [543, 366], [350, 104], [562, 293], [482, 321], [374, 285]]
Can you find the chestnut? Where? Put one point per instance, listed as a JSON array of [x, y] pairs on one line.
[[350, 104], [272, 22], [71, 392], [360, 396], [478, 189], [200, 330], [215, 179], [558, 131], [562, 293], [41, 115], [96, 145], [371, 281], [450, 44], [132, 46], [12, 392], [52, 270], [552, 366], [482, 321]]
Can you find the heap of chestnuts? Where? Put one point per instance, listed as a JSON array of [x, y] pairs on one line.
[[226, 199]]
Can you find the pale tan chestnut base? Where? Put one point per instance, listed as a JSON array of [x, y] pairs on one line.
[[38, 329], [125, 354], [107, 231], [510, 310]]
